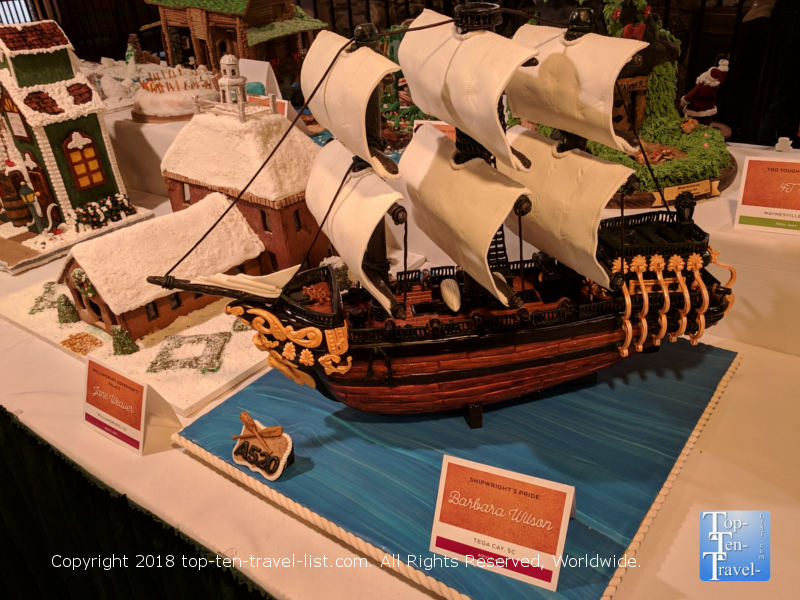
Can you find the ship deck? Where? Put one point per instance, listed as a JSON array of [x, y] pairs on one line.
[[422, 299]]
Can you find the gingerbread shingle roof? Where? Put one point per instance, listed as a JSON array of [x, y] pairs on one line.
[[32, 38], [80, 92], [44, 104]]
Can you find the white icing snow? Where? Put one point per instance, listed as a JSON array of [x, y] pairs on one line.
[[185, 389], [221, 151], [58, 92], [76, 142], [119, 263], [7, 230], [169, 104]]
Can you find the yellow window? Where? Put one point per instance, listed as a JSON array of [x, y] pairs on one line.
[[75, 157], [97, 177], [80, 169], [88, 153], [83, 182], [93, 165]]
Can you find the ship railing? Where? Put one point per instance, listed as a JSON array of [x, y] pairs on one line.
[[335, 318], [408, 334], [298, 311], [527, 265], [640, 219], [698, 244], [366, 336], [439, 274], [408, 279], [497, 324], [456, 328], [550, 316], [595, 309]]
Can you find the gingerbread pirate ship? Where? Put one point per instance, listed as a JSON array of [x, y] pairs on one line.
[[484, 329]]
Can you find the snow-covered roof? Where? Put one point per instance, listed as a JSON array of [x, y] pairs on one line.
[[119, 263], [220, 152], [53, 102], [32, 38]]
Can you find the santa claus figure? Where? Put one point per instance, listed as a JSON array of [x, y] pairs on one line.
[[701, 102]]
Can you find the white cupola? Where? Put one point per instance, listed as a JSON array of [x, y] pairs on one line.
[[232, 84]]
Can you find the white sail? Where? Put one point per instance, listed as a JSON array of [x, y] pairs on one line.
[[569, 191], [266, 286], [460, 78], [572, 88], [359, 208], [340, 104], [460, 207]]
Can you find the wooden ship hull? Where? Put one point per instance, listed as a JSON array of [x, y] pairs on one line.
[[438, 360]]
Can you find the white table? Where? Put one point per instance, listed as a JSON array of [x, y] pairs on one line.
[[746, 457]]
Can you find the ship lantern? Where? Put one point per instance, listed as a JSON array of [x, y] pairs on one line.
[[474, 16]]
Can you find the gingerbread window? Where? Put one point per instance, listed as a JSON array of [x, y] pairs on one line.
[[18, 128], [84, 161]]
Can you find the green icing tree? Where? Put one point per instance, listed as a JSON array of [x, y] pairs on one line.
[[67, 313], [123, 344]]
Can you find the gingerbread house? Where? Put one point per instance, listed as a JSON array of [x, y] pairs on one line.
[[53, 119], [260, 29], [218, 153], [107, 276]]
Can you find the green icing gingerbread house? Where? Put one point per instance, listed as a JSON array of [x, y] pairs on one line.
[[53, 132]]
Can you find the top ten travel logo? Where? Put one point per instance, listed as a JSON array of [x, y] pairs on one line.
[[734, 545]]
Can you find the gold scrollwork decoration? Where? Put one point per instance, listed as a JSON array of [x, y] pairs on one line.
[[639, 266], [327, 364], [262, 343], [337, 340], [676, 265], [695, 264], [276, 361], [236, 311], [657, 265], [627, 328], [308, 337], [731, 281]]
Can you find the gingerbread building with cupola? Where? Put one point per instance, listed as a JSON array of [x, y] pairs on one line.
[[53, 118]]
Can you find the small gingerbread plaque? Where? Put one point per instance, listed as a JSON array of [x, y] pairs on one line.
[[264, 450]]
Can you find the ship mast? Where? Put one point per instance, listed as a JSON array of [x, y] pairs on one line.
[[485, 16], [376, 263]]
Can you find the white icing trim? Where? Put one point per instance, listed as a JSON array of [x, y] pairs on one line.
[[673, 475], [112, 158], [78, 142], [327, 526], [58, 92], [699, 113], [51, 166]]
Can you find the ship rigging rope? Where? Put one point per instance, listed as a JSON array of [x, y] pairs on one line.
[[628, 112], [168, 280], [325, 218]]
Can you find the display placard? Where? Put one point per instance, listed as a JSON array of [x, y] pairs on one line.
[[512, 524], [769, 197], [115, 405]]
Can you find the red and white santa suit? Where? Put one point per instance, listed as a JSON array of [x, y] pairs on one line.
[[701, 102]]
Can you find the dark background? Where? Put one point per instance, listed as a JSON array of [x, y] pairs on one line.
[[759, 99]]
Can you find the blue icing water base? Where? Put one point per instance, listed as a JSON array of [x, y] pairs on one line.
[[377, 476]]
